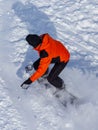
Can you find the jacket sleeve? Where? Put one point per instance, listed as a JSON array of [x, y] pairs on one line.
[[44, 64]]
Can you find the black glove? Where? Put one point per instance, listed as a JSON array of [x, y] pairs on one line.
[[26, 83]]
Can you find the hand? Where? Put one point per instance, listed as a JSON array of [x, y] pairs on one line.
[[29, 68], [26, 84]]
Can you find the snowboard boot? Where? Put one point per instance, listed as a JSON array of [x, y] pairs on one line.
[[63, 86], [59, 91]]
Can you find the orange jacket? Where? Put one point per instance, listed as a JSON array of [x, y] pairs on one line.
[[53, 49]]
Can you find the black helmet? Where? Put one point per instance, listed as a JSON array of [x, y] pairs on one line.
[[34, 40]]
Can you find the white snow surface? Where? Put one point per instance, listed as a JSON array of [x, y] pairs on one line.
[[75, 23]]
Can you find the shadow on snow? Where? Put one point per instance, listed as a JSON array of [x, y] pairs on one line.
[[37, 22]]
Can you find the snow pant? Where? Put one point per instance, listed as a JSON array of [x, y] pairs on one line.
[[53, 77]]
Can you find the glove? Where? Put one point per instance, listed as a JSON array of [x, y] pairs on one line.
[[26, 83], [29, 68]]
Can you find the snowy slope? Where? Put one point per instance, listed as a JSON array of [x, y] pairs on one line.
[[75, 23]]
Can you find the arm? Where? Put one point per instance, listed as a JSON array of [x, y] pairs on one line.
[[44, 64]]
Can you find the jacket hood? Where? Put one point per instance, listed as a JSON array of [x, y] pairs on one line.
[[44, 44]]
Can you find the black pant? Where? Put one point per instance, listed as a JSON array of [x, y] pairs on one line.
[[53, 77]]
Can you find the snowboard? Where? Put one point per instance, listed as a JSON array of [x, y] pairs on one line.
[[62, 95]]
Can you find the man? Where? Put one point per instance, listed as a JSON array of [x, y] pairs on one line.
[[50, 51]]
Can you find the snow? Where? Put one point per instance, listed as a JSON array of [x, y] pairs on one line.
[[75, 23]]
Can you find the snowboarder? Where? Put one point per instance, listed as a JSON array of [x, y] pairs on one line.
[[50, 51]]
